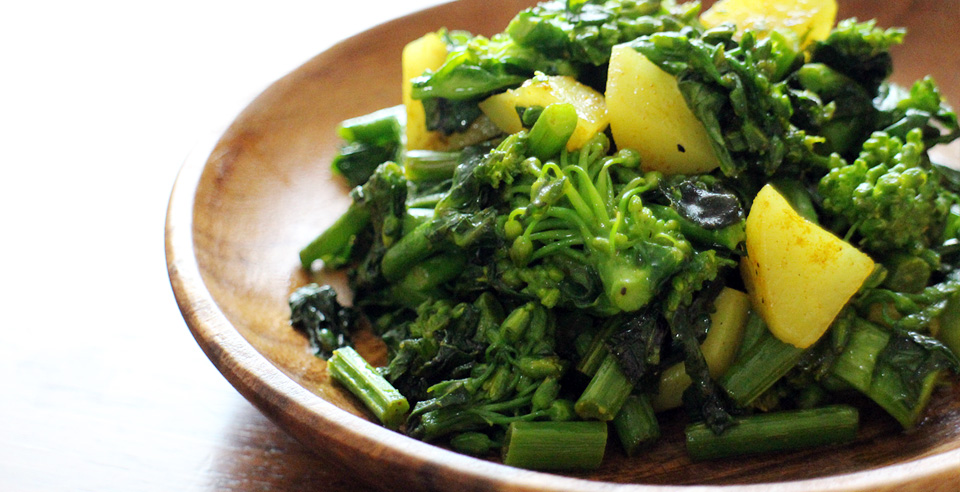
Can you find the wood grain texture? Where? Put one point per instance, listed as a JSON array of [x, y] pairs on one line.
[[238, 218]]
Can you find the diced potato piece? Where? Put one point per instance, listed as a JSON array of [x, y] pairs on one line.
[[544, 90], [429, 53], [426, 53], [649, 114], [799, 275], [727, 325], [810, 20]]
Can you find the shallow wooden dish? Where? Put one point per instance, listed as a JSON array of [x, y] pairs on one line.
[[239, 215]]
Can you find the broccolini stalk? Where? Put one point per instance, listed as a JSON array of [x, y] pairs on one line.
[[430, 165], [555, 445], [552, 130], [772, 432], [766, 362], [335, 244], [636, 424], [904, 311], [460, 221], [350, 369], [606, 393]]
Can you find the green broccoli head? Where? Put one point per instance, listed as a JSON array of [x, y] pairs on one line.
[[889, 197], [592, 210], [860, 50]]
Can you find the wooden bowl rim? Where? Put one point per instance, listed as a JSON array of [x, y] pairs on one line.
[[287, 403]]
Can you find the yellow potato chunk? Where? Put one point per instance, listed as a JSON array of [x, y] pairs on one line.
[[649, 114], [809, 20], [429, 53], [544, 90], [798, 275]]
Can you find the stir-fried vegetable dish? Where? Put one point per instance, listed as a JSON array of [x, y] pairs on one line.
[[618, 208]]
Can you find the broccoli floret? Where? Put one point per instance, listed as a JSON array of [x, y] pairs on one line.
[[580, 209], [859, 50], [889, 197]]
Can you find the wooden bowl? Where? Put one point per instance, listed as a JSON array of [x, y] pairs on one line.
[[238, 216]]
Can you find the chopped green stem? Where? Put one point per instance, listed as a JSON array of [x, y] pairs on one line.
[[755, 330], [773, 432], [426, 201], [887, 390], [856, 364], [553, 128], [333, 245], [374, 128], [379, 396], [798, 198], [555, 445], [429, 165], [636, 424], [765, 363], [597, 352], [433, 271], [408, 251], [606, 392]]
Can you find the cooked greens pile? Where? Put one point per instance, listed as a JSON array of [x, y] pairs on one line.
[[529, 291]]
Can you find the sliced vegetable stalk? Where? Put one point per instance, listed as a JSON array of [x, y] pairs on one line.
[[553, 128], [380, 397], [636, 425], [555, 445], [768, 361], [334, 244], [605, 393], [773, 432]]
